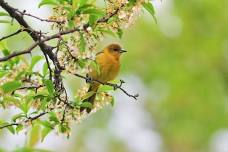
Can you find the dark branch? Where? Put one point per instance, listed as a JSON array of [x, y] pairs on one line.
[[115, 86], [29, 119], [15, 33], [38, 18]]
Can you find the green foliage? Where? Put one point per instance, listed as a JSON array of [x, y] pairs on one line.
[[150, 8], [36, 90], [11, 86], [48, 2]]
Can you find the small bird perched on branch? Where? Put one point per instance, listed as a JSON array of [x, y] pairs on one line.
[[109, 64]]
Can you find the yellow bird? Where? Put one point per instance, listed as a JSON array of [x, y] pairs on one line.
[[109, 64]]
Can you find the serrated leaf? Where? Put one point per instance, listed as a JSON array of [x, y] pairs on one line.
[[47, 2], [35, 59], [150, 8], [50, 86], [11, 86]]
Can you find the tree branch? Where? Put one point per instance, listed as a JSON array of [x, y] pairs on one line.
[[115, 86], [27, 120], [15, 33], [38, 18]]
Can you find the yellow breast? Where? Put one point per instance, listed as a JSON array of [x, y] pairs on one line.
[[109, 68]]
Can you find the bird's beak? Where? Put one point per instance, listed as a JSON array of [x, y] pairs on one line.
[[122, 51]]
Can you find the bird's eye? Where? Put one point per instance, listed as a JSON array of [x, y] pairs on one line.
[[115, 49]]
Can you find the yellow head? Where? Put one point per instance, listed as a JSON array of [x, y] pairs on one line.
[[114, 50]]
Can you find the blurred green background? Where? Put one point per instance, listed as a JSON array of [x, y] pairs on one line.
[[179, 68]]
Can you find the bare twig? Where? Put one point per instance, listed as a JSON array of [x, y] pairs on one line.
[[15, 33], [24, 121], [38, 18], [115, 86]]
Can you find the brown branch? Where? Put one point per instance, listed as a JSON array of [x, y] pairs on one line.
[[8, 125], [27, 120], [38, 18], [15, 33], [14, 54], [115, 86], [47, 49]]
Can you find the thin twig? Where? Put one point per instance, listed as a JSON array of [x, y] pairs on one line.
[[15, 33], [25, 121], [115, 86], [41, 19]]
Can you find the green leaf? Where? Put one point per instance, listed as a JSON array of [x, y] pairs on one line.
[[150, 8], [83, 8], [45, 131], [11, 86], [119, 33], [82, 2], [34, 135], [17, 116], [63, 128], [105, 88], [93, 11], [5, 52], [87, 105], [3, 73], [19, 128], [50, 86], [35, 59], [4, 14], [11, 129], [112, 101], [46, 124], [82, 44], [81, 63], [93, 19], [53, 117], [45, 69], [4, 21], [96, 67], [88, 94], [48, 2], [109, 32]]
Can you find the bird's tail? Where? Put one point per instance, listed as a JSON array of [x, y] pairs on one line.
[[92, 88]]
